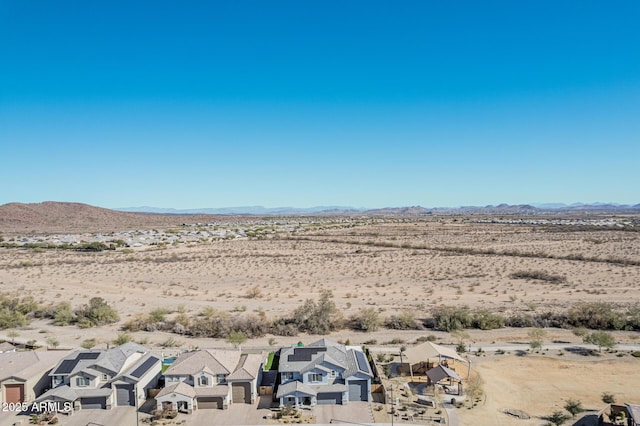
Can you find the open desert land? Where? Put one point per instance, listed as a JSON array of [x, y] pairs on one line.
[[393, 265]]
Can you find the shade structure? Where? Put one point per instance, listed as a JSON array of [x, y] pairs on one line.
[[438, 373], [428, 350]]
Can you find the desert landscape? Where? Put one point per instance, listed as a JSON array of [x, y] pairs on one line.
[[264, 269]]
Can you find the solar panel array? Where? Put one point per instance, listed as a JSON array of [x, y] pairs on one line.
[[66, 366], [139, 372], [304, 354], [363, 365], [88, 355]]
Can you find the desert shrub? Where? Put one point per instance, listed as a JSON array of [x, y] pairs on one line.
[[284, 327], [429, 338], [539, 275], [558, 418], [214, 327], [15, 311], [608, 398], [158, 314], [89, 343], [251, 325], [573, 406], [97, 312], [520, 320], [596, 315], [367, 319], [122, 339], [318, 318], [404, 321], [137, 323], [11, 319], [486, 320], [449, 318], [63, 314]]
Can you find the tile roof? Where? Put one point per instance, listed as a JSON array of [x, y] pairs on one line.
[[248, 367], [181, 388], [28, 364], [208, 360], [293, 387], [219, 390]]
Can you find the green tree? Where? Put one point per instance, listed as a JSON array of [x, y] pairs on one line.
[[602, 339], [236, 338], [53, 342], [537, 335]]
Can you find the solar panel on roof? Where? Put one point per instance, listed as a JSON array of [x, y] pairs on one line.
[[363, 365], [88, 355], [304, 354], [66, 366], [139, 372]]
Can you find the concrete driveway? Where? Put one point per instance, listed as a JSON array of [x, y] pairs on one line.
[[116, 416], [236, 415], [354, 412]]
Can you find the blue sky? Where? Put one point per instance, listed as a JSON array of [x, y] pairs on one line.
[[304, 103]]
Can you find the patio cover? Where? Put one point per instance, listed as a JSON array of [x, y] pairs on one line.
[[438, 373], [428, 350]]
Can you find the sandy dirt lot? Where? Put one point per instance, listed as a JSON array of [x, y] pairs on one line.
[[539, 386]]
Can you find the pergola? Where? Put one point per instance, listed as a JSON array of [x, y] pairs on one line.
[[427, 351]]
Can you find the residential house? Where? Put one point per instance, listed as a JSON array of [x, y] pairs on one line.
[[23, 375], [323, 372], [208, 378], [104, 378]]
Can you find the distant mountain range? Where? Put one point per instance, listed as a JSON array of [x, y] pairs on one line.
[[413, 210], [61, 217]]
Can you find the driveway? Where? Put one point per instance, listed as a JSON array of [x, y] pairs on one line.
[[236, 414], [115, 416], [354, 412]]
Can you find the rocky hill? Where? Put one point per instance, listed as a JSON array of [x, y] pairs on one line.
[[61, 217]]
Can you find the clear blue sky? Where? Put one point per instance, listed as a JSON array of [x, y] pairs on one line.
[[303, 103]]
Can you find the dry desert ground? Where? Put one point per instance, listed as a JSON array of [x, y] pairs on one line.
[[392, 267]]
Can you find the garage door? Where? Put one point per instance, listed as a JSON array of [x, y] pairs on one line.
[[241, 392], [358, 390], [329, 398], [124, 395], [209, 402], [14, 393], [86, 403]]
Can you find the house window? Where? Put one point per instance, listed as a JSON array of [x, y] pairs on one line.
[[287, 376], [82, 381], [57, 380], [204, 381], [105, 377], [221, 378], [333, 374], [315, 377]]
